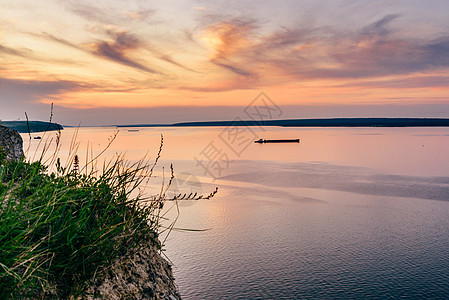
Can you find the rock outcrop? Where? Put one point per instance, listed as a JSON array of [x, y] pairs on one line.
[[142, 275], [11, 143]]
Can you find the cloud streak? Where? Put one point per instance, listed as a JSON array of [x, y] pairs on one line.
[[28, 54], [110, 15], [314, 53], [18, 96], [117, 49], [15, 52], [229, 40], [412, 82]]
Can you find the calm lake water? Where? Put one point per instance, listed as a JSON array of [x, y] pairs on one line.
[[346, 213]]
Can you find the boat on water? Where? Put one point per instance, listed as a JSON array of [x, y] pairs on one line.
[[262, 141], [37, 138], [133, 130]]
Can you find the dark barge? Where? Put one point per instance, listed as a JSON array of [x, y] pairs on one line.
[[262, 141]]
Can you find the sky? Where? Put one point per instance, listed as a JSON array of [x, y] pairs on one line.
[[126, 62]]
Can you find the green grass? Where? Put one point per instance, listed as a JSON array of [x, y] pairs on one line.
[[59, 228]]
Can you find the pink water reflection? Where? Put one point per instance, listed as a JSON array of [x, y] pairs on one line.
[[407, 151]]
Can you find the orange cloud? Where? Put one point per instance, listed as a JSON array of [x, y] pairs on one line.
[[229, 40]]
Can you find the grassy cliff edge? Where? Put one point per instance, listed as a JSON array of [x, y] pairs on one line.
[[74, 233]]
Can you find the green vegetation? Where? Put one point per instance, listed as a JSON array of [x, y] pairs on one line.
[[31, 126], [59, 228]]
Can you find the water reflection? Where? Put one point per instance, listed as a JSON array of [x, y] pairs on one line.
[[405, 151], [347, 213]]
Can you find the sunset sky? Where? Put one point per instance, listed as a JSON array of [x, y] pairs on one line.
[[125, 62]]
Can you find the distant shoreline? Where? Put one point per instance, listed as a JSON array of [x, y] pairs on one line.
[[31, 126], [333, 122]]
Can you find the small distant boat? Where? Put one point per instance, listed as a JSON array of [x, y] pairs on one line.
[[133, 130], [262, 141], [37, 138]]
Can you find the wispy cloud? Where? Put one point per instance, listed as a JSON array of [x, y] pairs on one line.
[[140, 15], [380, 27], [225, 85], [311, 53], [54, 91], [29, 54], [110, 14], [408, 82], [35, 90], [60, 41], [233, 68], [229, 41], [116, 50], [16, 52], [169, 59]]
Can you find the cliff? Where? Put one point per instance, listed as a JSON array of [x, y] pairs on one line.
[[11, 143], [142, 275]]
